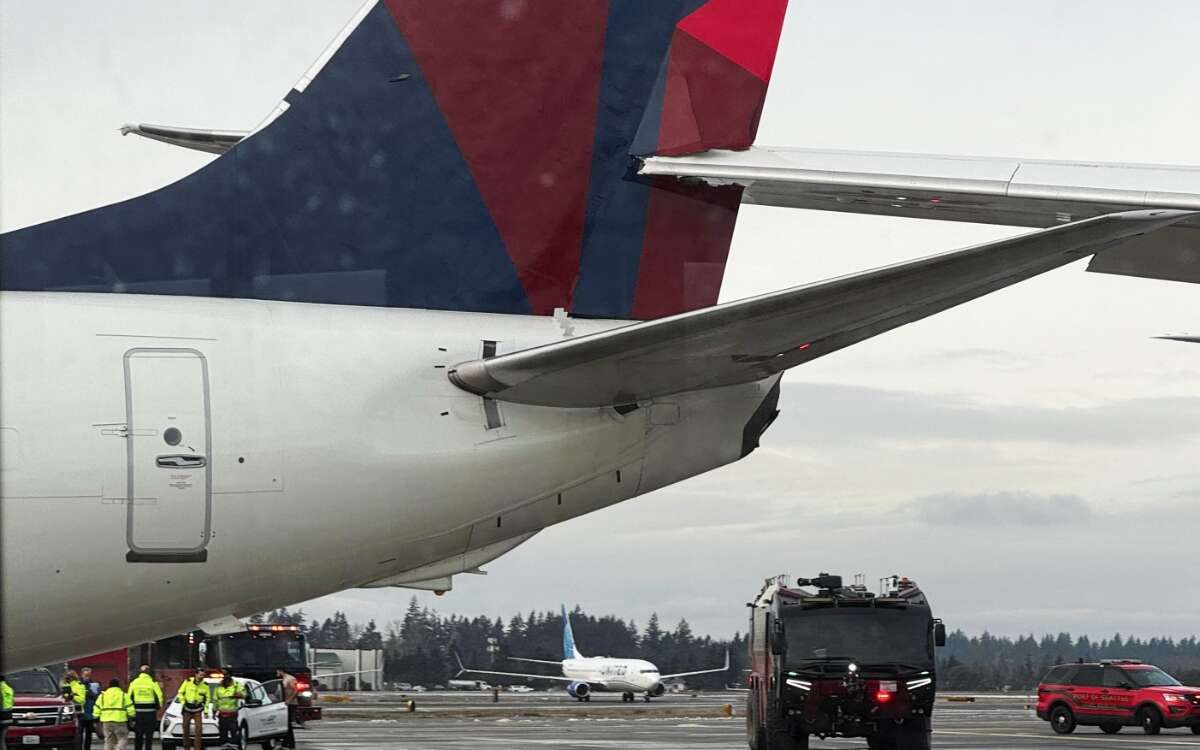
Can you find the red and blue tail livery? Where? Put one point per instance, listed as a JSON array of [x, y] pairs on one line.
[[475, 155]]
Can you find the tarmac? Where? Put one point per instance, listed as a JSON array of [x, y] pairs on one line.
[[458, 721]]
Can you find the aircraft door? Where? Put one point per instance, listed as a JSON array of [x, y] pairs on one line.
[[169, 442]]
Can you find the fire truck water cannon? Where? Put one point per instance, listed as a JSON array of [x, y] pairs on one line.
[[830, 660]]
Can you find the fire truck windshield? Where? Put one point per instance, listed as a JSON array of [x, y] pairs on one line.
[[249, 651], [864, 635]]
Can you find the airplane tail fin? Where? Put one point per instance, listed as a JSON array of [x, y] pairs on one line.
[[474, 155], [569, 650]]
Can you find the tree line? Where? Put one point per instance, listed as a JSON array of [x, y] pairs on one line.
[[988, 662], [421, 648]]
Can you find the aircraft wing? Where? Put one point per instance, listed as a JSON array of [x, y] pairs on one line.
[[462, 669], [209, 141], [1190, 339], [700, 671], [536, 661], [1016, 192], [752, 339]]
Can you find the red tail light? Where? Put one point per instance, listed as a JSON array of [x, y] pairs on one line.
[[883, 696]]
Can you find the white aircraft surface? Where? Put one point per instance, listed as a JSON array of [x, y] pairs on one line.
[[587, 674], [419, 318]]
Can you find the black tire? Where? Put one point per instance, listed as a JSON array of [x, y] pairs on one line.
[[1062, 720], [916, 733], [1150, 719], [268, 744], [884, 738], [753, 731], [1110, 728], [777, 736]]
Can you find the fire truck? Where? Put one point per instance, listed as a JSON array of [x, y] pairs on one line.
[[829, 660], [256, 653]]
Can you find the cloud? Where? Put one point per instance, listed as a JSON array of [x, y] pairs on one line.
[[992, 509], [855, 413]]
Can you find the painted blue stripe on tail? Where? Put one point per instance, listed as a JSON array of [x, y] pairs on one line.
[[635, 49]]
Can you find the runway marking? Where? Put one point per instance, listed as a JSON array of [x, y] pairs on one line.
[[1062, 737]]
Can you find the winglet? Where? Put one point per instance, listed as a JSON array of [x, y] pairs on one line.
[[569, 650]]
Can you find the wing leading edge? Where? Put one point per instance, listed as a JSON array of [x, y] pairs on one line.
[[982, 190], [698, 671], [754, 338]]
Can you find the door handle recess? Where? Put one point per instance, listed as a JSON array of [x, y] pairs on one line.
[[181, 461]]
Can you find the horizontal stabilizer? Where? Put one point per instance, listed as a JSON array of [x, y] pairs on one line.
[[754, 338], [981, 190]]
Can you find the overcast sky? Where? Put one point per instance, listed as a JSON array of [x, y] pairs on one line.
[[1031, 457]]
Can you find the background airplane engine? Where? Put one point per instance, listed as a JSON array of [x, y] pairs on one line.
[[579, 689]]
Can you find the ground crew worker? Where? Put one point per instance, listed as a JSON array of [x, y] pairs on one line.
[[290, 695], [195, 699], [227, 699], [87, 724], [6, 708], [73, 688], [114, 711], [147, 697]]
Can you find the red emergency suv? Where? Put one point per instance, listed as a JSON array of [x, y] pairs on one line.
[[42, 717], [1115, 694]]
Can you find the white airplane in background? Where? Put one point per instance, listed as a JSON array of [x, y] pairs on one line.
[[587, 674], [430, 307]]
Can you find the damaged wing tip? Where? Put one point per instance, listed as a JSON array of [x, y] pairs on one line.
[[1170, 215]]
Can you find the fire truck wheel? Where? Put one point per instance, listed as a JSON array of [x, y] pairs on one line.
[[1062, 720], [753, 730], [915, 734], [777, 735], [1150, 719]]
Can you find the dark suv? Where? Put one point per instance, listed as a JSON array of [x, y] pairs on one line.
[[1115, 694]]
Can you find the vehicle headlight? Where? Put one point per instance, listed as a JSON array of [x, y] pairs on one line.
[[306, 694], [919, 683], [1174, 698], [799, 684], [68, 713]]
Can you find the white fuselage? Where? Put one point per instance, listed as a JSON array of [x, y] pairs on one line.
[[613, 675], [173, 461]]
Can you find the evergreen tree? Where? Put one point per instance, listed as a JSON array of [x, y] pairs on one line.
[[370, 638]]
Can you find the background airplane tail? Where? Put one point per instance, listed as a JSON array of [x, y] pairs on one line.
[[458, 154], [569, 650]]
